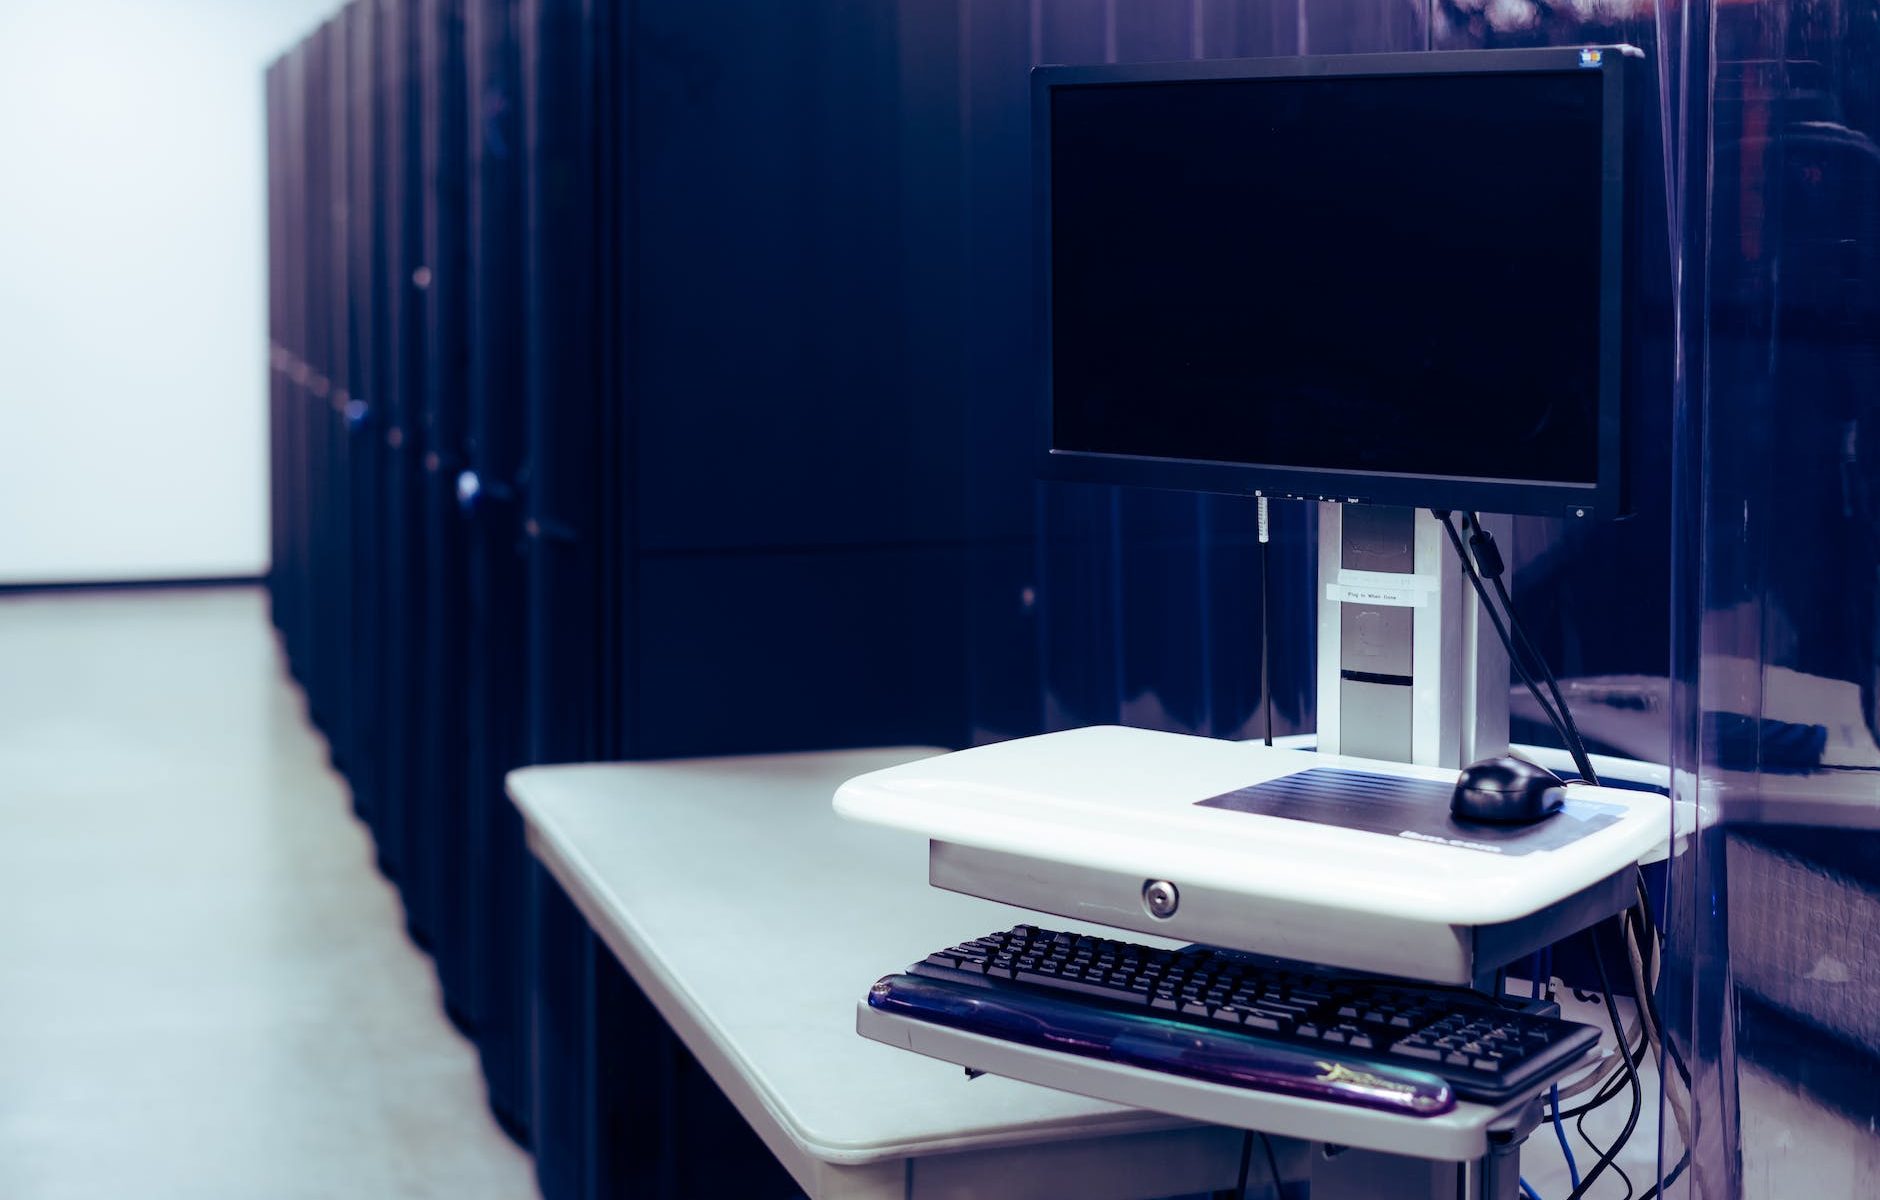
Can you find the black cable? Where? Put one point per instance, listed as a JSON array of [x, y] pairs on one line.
[[1638, 1092], [1246, 1159], [1538, 663], [1266, 667], [1648, 1010], [1483, 543], [1617, 1169], [1611, 1089], [1266, 621], [1579, 1127], [1677, 1169], [1649, 955], [1501, 630], [1645, 909], [1489, 563], [1613, 1085], [1272, 1164]]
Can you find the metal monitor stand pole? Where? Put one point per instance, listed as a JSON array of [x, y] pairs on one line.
[[1408, 671]]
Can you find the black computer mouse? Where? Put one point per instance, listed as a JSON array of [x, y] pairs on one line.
[[1506, 791]]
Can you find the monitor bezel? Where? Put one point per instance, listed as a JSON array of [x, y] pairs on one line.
[[1555, 498]]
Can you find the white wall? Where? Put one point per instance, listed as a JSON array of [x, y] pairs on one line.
[[133, 258]]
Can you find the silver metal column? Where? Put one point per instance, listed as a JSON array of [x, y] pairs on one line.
[[1408, 669]]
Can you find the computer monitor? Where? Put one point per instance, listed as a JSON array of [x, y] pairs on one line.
[[1389, 278]]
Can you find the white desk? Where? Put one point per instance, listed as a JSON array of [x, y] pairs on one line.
[[754, 920]]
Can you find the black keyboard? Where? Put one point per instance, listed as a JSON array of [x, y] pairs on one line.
[[1485, 1051]]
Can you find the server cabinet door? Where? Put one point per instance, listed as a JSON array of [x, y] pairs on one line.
[[359, 417], [401, 535], [323, 662], [489, 502], [337, 566], [573, 659], [440, 796], [294, 485]]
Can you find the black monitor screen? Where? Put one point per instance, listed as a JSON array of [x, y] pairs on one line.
[[1389, 274]]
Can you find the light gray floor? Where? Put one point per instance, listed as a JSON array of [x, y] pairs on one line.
[[205, 987]]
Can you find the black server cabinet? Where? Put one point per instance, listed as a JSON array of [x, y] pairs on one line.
[[358, 414], [490, 495], [374, 438], [597, 438], [747, 527], [576, 557], [296, 486], [570, 660], [438, 891], [337, 566], [402, 356], [571, 528], [319, 317]]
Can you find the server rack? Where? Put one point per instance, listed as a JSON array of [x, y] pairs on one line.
[[571, 537], [741, 364], [572, 500], [401, 580], [438, 890], [568, 640], [358, 415], [319, 317], [490, 496], [338, 568]]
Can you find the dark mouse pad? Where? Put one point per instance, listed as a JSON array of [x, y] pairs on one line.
[[1408, 808]]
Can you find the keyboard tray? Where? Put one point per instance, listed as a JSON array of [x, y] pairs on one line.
[[1463, 1133]]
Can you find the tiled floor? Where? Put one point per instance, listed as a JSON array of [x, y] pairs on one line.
[[205, 987]]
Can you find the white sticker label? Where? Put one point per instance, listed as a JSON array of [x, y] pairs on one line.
[[1387, 588], [1389, 597]]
